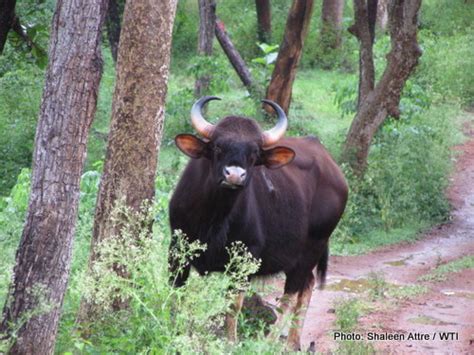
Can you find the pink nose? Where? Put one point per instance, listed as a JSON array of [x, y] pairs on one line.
[[234, 175]]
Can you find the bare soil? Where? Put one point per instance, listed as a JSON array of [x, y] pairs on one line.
[[447, 306]]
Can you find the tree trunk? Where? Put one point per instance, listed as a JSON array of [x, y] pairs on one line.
[[137, 121], [235, 59], [69, 102], [364, 30], [264, 20], [384, 99], [289, 55], [113, 23], [7, 15], [207, 22], [331, 20], [382, 14]]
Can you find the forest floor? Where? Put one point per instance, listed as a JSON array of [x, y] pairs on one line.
[[437, 305]]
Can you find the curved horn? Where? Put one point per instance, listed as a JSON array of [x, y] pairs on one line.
[[273, 135], [201, 126]]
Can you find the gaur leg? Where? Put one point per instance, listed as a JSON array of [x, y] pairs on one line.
[[285, 305], [299, 283], [299, 313], [232, 316]]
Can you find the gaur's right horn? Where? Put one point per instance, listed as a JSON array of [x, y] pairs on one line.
[[199, 123]]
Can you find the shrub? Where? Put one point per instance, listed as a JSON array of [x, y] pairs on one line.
[[12, 213], [159, 318], [20, 94]]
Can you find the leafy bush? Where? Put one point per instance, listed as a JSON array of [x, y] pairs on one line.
[[12, 213], [20, 94], [406, 177], [446, 67], [160, 318]]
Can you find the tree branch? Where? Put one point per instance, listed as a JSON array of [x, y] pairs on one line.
[[234, 57], [16, 26]]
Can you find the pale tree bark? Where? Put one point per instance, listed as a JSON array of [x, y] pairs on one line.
[[331, 23], [69, 103], [137, 122], [264, 20], [384, 99], [382, 14], [207, 23], [284, 73], [7, 16], [113, 24]]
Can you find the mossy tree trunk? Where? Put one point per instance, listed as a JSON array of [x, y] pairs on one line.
[[137, 122], [284, 73], [207, 23], [69, 102], [378, 101], [331, 23]]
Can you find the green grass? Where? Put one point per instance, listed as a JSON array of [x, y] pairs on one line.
[[441, 273], [348, 313], [406, 291], [313, 110], [377, 238]]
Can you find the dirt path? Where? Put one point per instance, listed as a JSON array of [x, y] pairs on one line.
[[447, 306]]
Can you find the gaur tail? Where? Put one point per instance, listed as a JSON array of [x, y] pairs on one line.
[[322, 268]]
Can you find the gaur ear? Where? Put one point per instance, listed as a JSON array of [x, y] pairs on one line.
[[277, 157], [190, 145]]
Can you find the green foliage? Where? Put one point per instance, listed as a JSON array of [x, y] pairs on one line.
[[264, 64], [441, 272], [20, 94], [320, 53], [99, 130], [185, 32], [406, 292], [456, 17], [378, 286], [12, 213], [402, 192], [178, 108], [446, 67], [345, 97], [35, 18], [347, 314], [407, 174], [216, 67], [160, 318]]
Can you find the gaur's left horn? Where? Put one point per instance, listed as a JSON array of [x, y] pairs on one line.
[[199, 123], [273, 135]]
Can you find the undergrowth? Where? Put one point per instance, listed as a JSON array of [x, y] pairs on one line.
[[441, 273]]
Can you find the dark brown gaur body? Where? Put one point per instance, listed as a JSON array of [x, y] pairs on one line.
[[281, 197]]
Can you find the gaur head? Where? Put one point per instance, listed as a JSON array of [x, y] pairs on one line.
[[235, 145]]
